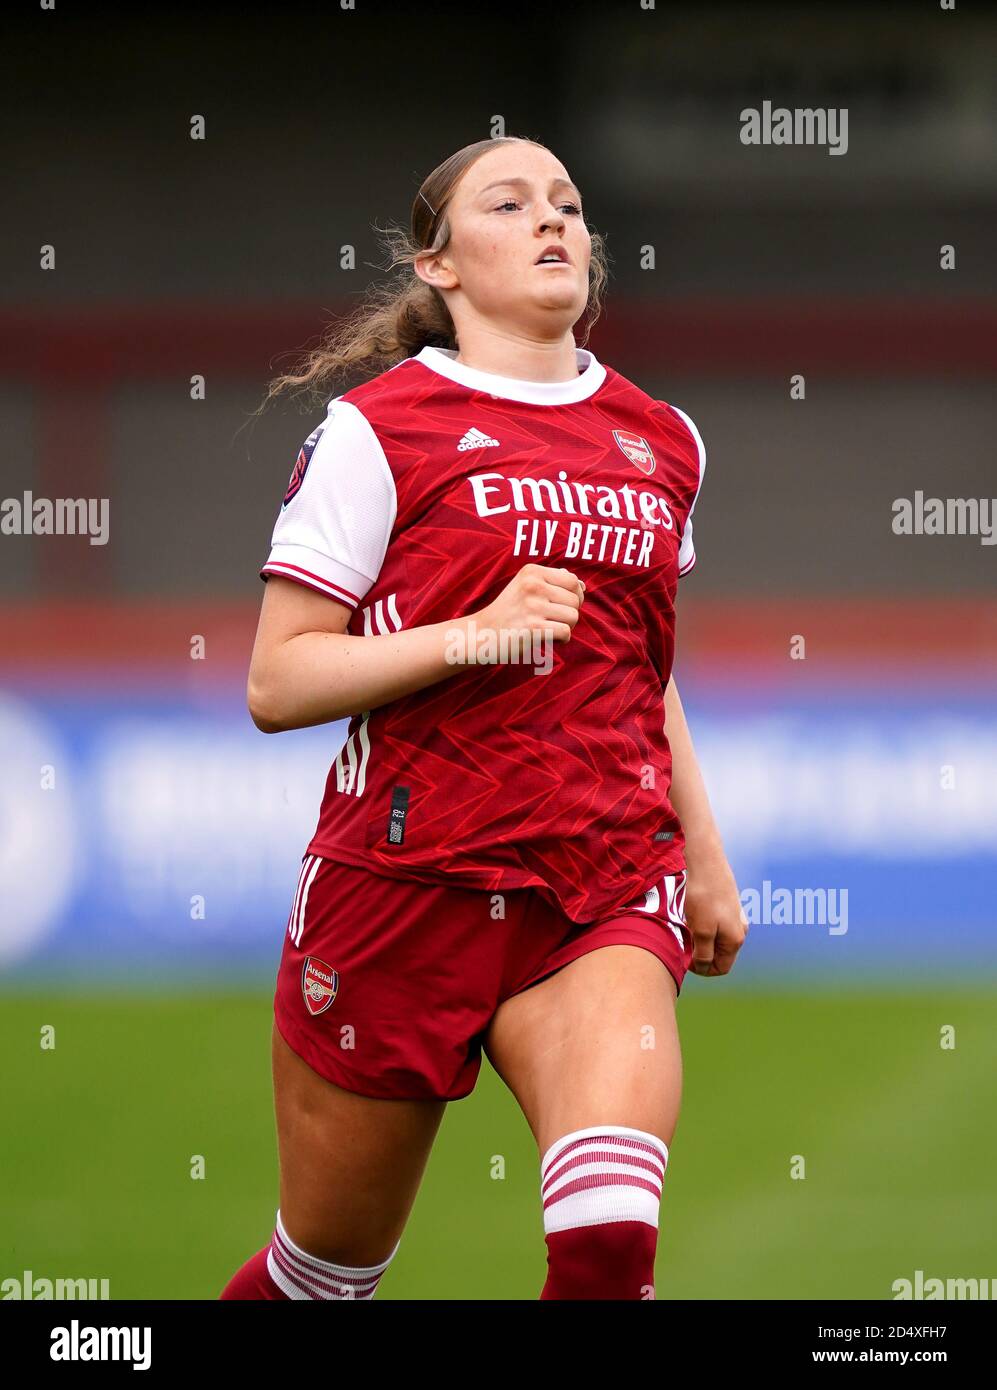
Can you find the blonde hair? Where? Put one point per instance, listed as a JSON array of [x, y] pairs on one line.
[[400, 317]]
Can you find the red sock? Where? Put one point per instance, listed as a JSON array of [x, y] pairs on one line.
[[615, 1260], [284, 1270], [253, 1280]]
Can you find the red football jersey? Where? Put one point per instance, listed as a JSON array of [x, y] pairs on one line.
[[417, 499]]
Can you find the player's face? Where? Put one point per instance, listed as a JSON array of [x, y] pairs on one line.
[[513, 204]]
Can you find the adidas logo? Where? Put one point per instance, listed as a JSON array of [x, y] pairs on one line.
[[475, 439]]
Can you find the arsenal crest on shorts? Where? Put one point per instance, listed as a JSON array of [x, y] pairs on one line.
[[319, 985], [637, 450]]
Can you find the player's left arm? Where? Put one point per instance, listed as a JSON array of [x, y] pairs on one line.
[[713, 909]]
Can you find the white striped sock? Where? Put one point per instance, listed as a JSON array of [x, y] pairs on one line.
[[606, 1173], [300, 1275]]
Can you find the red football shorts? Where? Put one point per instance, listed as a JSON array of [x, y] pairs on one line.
[[387, 986]]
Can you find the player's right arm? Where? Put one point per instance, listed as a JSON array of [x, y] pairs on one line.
[[307, 669], [328, 548]]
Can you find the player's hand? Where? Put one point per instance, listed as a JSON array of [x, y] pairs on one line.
[[713, 912], [538, 599]]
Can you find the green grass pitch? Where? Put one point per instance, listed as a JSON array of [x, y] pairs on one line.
[[898, 1134]]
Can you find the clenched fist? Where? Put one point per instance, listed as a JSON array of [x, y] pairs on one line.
[[538, 599]]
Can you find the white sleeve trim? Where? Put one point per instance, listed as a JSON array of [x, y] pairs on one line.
[[333, 533], [687, 550], [317, 571]]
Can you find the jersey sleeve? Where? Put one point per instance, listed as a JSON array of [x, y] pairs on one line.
[[687, 550], [339, 509]]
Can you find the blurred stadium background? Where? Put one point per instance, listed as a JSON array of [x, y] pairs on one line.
[[868, 768]]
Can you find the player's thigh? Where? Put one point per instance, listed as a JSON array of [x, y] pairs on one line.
[[596, 1043], [350, 1165]]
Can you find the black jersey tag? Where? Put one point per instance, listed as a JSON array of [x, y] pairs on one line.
[[399, 810], [664, 835]]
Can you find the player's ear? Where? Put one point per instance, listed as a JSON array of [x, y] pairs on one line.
[[435, 269]]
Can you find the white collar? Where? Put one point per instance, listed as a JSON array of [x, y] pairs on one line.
[[591, 376]]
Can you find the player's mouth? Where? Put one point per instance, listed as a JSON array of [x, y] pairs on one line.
[[553, 255]]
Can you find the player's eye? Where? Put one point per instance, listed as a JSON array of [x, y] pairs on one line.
[[572, 208]]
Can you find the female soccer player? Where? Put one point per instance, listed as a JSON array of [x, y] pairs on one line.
[[476, 561]]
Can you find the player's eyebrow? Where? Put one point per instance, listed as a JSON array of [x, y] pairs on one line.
[[525, 183]]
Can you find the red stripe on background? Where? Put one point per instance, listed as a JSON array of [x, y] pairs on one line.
[[926, 633], [714, 635], [72, 433], [111, 343]]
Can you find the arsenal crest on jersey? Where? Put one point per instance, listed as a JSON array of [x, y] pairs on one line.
[[319, 985], [301, 464], [637, 450]]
